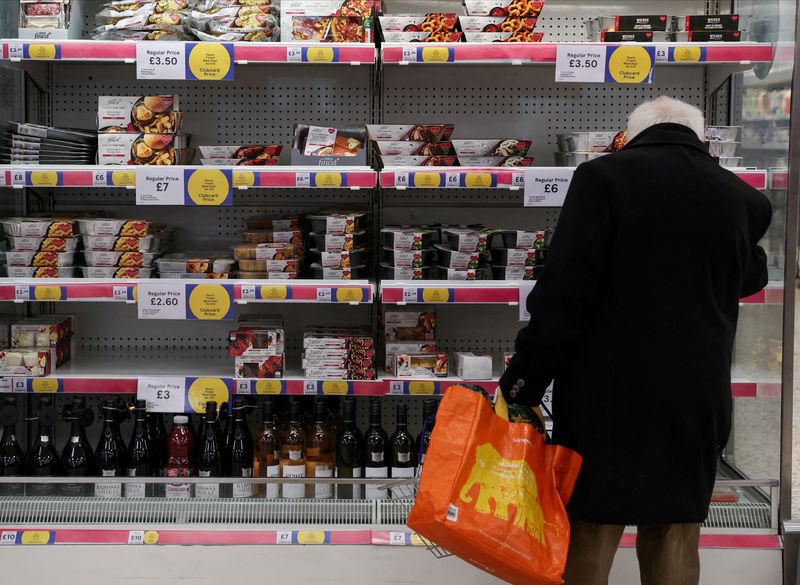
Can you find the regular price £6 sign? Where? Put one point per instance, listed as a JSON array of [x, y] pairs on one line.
[[546, 187]]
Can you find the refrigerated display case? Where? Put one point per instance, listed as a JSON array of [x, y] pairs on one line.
[[487, 90]]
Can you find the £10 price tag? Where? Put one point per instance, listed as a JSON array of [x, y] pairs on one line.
[[136, 537], [162, 394], [8, 537], [546, 187], [159, 186], [161, 301]]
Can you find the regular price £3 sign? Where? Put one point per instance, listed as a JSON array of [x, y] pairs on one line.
[[627, 64]]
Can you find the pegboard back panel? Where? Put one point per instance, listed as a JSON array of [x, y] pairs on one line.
[[508, 101]]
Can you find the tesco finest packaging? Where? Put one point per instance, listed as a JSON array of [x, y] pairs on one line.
[[402, 326], [26, 362], [406, 347], [153, 114], [327, 20], [408, 148], [422, 365], [410, 132], [124, 148], [255, 366], [342, 147], [45, 20], [511, 8]]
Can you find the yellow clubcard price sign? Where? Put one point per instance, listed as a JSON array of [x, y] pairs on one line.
[[202, 390], [212, 187], [209, 61]]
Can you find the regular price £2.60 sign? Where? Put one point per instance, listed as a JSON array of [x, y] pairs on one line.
[[626, 64]]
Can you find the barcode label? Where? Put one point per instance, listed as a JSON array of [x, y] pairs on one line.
[[452, 513]]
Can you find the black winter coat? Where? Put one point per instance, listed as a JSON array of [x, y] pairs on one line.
[[634, 319]]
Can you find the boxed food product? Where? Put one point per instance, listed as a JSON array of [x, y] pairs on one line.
[[255, 366], [643, 36], [324, 146], [421, 365], [431, 22], [39, 227], [468, 274], [350, 273], [277, 251], [525, 239], [343, 259], [256, 340], [195, 263], [40, 272], [408, 258], [327, 20], [25, 244], [337, 341], [115, 272], [409, 326], [512, 8], [332, 243], [421, 37], [407, 238], [410, 132], [712, 23], [143, 21], [273, 223], [250, 152], [155, 114], [31, 362], [497, 147], [419, 161], [87, 137], [55, 259], [143, 149], [389, 272], [517, 256], [340, 374], [393, 349], [142, 35], [42, 331], [338, 223], [522, 36], [348, 362], [120, 243], [495, 161], [732, 36], [123, 259], [473, 366], [461, 260], [496, 24], [253, 36], [114, 227], [408, 148], [44, 20], [591, 141], [468, 240]]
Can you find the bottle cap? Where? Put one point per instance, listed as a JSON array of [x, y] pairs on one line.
[[180, 419]]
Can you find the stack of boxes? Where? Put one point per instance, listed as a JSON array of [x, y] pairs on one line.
[[38, 346], [273, 248], [410, 341], [338, 353], [258, 348]]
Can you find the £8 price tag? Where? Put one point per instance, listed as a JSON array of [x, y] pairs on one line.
[[136, 537], [18, 178], [8, 537]]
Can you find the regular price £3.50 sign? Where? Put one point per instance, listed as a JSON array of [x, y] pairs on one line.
[[174, 60], [628, 64]]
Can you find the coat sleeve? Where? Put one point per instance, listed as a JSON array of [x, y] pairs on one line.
[[564, 298], [755, 276]]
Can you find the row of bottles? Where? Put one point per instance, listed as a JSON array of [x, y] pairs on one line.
[[330, 446]]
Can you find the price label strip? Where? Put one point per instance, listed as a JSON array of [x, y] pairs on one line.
[[429, 295], [44, 178], [177, 60], [37, 385], [625, 64], [415, 387], [41, 51], [266, 387], [312, 54], [40, 292], [347, 294], [429, 54], [203, 302], [546, 187]]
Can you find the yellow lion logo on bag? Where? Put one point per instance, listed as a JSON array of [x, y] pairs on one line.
[[506, 482]]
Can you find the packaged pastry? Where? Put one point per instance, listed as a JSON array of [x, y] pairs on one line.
[[113, 227], [56, 259], [39, 228], [195, 263], [522, 36], [31, 362], [496, 24], [412, 132], [42, 331], [419, 161], [421, 37], [511, 8], [324, 141], [25, 244], [115, 272], [278, 251], [122, 259], [143, 21], [40, 272], [495, 161], [123, 9], [249, 20], [266, 340], [254, 36], [407, 238], [253, 151], [119, 243], [142, 35], [407, 148], [393, 349], [431, 22], [409, 326], [253, 366], [498, 147], [155, 114], [143, 149]]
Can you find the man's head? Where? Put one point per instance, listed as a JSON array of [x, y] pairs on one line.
[[665, 110]]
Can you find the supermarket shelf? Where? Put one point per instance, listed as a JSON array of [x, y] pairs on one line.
[[304, 291], [545, 53], [401, 292], [778, 178], [498, 178], [243, 53], [104, 176]]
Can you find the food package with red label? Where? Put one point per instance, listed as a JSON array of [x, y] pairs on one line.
[[410, 132], [421, 365], [41, 272], [419, 161], [143, 149], [38, 14], [26, 244], [121, 259], [256, 340], [143, 35], [31, 227], [137, 228], [41, 331], [53, 259], [120, 243], [408, 148], [254, 366], [149, 21], [431, 22], [496, 24], [421, 37], [152, 114], [495, 161], [494, 147], [511, 8], [29, 362], [340, 21], [522, 36], [250, 152]]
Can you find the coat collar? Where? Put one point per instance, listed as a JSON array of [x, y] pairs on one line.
[[668, 134]]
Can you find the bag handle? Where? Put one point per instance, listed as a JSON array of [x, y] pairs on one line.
[[501, 409]]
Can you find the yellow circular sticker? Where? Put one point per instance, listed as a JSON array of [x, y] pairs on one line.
[[208, 187], [244, 178], [41, 51], [687, 54], [478, 180], [135, 293], [210, 302], [427, 179], [269, 387], [274, 293], [44, 178], [426, 387], [349, 295], [630, 64], [36, 537], [328, 179], [209, 61], [44, 385], [435, 295], [311, 537], [203, 390], [47, 293], [151, 537], [335, 387], [320, 55], [435, 55], [123, 178]]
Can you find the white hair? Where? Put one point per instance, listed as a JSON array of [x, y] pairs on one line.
[[665, 110]]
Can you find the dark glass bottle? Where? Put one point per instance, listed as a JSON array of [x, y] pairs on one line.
[[226, 416], [320, 449], [241, 453], [85, 418], [268, 446], [209, 462], [157, 433], [109, 457], [402, 447], [375, 447], [11, 456], [140, 454], [349, 454], [424, 439], [121, 414], [42, 460], [293, 453], [75, 458]]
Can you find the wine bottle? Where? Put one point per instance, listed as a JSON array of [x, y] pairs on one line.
[[241, 453], [42, 460], [349, 454], [85, 419], [157, 434], [75, 457], [180, 463], [209, 463], [140, 457], [424, 439], [375, 443], [268, 454], [109, 458], [11, 456], [293, 453], [320, 453], [402, 447], [226, 416]]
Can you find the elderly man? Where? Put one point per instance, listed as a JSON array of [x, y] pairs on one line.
[[634, 319]]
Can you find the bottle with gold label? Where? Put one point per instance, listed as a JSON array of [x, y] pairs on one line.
[[320, 453], [268, 445], [293, 453]]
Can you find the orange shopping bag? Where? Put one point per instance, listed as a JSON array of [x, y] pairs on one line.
[[493, 493]]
